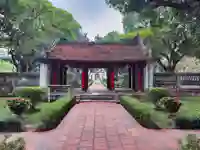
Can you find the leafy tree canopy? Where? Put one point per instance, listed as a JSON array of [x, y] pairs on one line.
[[29, 27]]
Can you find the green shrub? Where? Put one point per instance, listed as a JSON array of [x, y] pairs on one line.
[[140, 111], [190, 143], [145, 113], [155, 94], [187, 121], [18, 105], [11, 124], [16, 144], [51, 114], [35, 94]]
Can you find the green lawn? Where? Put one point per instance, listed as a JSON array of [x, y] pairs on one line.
[[190, 107], [4, 111]]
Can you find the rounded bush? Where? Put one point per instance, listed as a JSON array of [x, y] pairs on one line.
[[155, 94], [35, 94]]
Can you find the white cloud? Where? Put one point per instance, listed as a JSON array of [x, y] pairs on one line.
[[109, 20], [101, 21]]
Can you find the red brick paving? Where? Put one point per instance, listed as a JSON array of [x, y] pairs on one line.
[[102, 126]]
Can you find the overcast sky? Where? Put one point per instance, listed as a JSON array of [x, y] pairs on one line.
[[94, 15]]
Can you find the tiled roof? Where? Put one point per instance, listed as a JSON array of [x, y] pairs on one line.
[[98, 52]]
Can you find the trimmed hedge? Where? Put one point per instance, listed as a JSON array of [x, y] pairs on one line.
[[11, 124], [187, 121], [35, 94], [144, 113], [51, 114]]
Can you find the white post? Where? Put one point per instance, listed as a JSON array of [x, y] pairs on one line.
[[151, 75], [43, 75]]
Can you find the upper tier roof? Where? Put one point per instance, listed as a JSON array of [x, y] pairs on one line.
[[90, 51]]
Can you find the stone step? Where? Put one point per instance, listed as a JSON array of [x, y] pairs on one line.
[[98, 97]]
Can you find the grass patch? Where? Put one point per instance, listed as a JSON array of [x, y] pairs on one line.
[[189, 115], [4, 111]]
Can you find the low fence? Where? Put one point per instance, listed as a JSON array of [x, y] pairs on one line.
[[185, 83], [8, 80], [55, 91]]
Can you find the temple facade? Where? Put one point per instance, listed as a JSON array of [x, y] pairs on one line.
[[110, 56]]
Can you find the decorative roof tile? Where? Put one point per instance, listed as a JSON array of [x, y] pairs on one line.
[[89, 51]]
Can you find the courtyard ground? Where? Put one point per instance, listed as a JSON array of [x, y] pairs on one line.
[[103, 126]]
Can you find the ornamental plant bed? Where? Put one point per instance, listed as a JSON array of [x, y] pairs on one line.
[[50, 114], [145, 114], [186, 118]]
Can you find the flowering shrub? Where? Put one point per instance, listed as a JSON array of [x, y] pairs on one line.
[[18, 105], [34, 94], [171, 104]]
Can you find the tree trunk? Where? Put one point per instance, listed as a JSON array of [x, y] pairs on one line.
[[168, 67]]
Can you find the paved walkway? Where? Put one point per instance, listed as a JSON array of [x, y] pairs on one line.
[[102, 126]]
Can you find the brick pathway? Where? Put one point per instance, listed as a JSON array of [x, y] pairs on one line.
[[102, 126]]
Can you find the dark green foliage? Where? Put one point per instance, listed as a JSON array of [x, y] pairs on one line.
[[192, 142], [125, 6], [54, 114], [155, 94], [35, 94], [11, 124], [171, 104], [140, 111], [187, 122], [18, 106]]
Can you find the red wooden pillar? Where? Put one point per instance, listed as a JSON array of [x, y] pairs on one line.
[[84, 79], [112, 79], [140, 76], [55, 71]]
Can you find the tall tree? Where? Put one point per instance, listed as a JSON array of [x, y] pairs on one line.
[[32, 26], [113, 36], [170, 39], [191, 7]]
